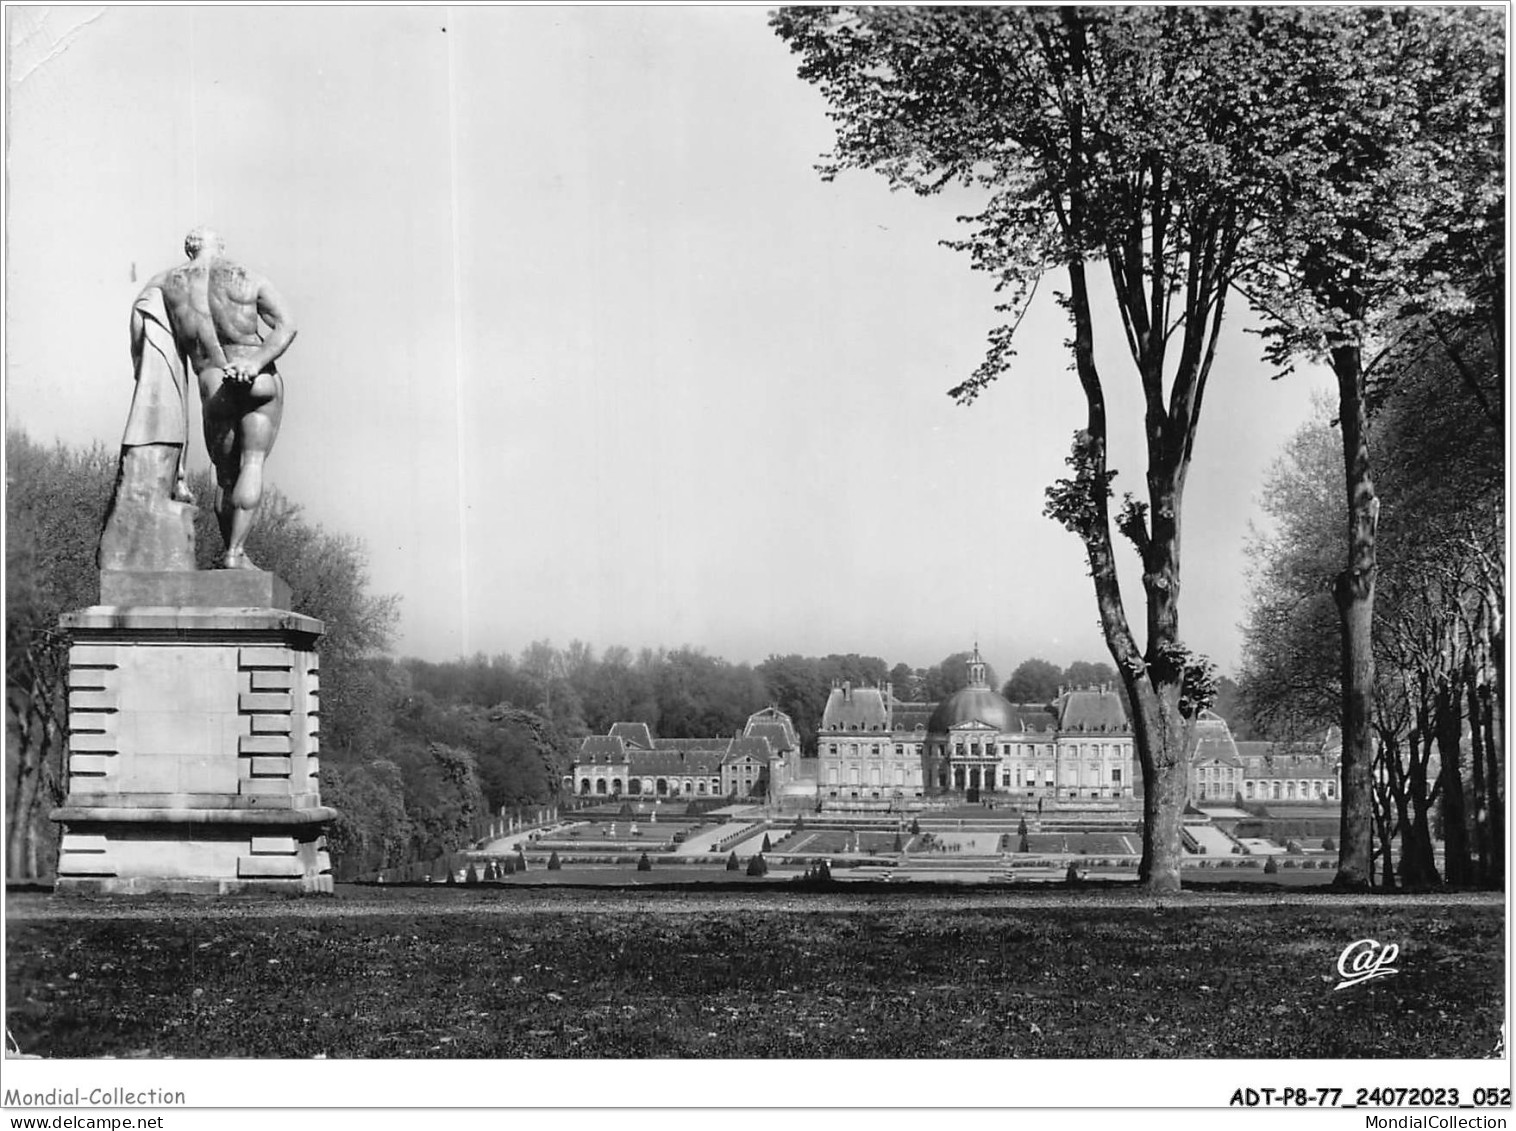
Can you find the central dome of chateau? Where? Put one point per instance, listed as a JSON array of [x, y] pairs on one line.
[[973, 705], [976, 703]]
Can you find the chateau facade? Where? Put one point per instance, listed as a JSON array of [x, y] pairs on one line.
[[1223, 769], [874, 750], [872, 747], [629, 761]]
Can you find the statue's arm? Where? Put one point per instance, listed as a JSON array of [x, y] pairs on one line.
[[274, 311]]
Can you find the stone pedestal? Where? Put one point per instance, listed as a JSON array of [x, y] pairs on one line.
[[193, 754]]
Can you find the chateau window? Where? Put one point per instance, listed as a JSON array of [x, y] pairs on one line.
[[1115, 775], [874, 750]]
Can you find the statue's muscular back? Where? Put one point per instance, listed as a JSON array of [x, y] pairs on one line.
[[213, 308]]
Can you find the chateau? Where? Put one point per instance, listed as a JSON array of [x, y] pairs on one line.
[[874, 748], [878, 752]]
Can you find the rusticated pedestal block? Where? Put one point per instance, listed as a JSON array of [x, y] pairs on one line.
[[193, 751]]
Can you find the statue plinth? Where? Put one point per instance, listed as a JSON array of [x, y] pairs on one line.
[[193, 756], [218, 588]]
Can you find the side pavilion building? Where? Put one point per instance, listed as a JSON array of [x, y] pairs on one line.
[[630, 761]]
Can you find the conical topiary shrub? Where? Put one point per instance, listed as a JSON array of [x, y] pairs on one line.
[[644, 864], [899, 844], [767, 846], [757, 866], [915, 827], [731, 862], [1271, 866], [472, 877], [553, 863]]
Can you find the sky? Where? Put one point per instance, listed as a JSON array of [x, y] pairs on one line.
[[587, 349]]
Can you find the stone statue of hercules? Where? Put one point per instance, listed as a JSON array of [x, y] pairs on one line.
[[214, 305]]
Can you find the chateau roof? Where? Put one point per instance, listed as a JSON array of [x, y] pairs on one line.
[[771, 720], [773, 733], [1213, 741], [1034, 718], [750, 747], [908, 716], [634, 734], [602, 748], [1090, 709], [1286, 760], [692, 745], [673, 763], [973, 704], [855, 708]]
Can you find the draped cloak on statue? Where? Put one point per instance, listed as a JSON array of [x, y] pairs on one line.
[[160, 406], [149, 524]]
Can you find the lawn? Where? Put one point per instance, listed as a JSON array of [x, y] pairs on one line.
[[764, 972], [834, 842]]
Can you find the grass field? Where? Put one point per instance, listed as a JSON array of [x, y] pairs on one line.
[[561, 972], [833, 842]]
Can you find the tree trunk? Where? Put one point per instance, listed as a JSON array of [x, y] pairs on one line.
[[1494, 769], [1354, 593], [1152, 679], [18, 837], [1481, 847], [1161, 745], [1418, 865], [1385, 837], [1381, 800], [1455, 827]]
